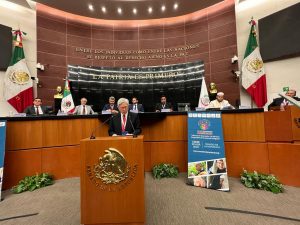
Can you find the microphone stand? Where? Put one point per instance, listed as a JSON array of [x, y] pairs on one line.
[[134, 134], [92, 135]]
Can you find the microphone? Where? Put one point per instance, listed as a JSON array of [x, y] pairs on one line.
[[134, 134], [105, 121]]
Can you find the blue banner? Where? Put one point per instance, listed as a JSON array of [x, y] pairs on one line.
[[206, 152], [2, 150]]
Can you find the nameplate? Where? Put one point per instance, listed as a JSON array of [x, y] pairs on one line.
[[62, 114], [200, 109], [165, 110], [19, 115], [244, 107], [134, 111], [106, 112]]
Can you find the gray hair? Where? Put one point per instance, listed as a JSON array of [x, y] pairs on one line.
[[122, 100], [111, 98]]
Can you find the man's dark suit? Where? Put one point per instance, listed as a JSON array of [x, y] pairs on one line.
[[278, 101], [115, 124], [30, 110], [140, 107], [107, 107], [159, 106]]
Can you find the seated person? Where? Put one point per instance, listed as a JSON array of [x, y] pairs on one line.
[[83, 108], [111, 106], [125, 122], [36, 109], [135, 105], [163, 104], [278, 101], [220, 102]]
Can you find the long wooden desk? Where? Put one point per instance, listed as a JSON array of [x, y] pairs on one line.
[[51, 144]]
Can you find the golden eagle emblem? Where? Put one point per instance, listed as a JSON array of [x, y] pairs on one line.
[[112, 168], [255, 65], [19, 77]]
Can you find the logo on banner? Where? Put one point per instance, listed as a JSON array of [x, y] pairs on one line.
[[204, 124], [111, 169]]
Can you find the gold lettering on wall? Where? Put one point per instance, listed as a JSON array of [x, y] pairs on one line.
[[142, 54]]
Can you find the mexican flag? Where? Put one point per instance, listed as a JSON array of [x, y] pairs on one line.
[[204, 98], [67, 103], [254, 77], [18, 90]]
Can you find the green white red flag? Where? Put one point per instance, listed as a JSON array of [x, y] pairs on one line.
[[254, 77], [67, 103], [18, 86]]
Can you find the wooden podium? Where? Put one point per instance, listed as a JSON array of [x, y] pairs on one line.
[[112, 181]]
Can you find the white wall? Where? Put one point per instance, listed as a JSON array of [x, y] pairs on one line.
[[282, 73], [16, 16]]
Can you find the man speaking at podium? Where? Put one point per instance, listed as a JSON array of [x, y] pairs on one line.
[[124, 123]]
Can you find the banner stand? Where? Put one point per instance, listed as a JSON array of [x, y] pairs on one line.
[[2, 151], [206, 153]]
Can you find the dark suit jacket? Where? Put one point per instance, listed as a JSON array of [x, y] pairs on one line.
[[115, 126], [30, 110], [107, 106], [140, 107], [278, 101], [167, 106]]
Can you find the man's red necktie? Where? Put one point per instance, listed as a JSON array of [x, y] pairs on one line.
[[123, 123]]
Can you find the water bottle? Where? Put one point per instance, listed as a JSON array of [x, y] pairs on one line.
[[186, 108]]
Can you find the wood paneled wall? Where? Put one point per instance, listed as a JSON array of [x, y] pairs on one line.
[[55, 147], [215, 31]]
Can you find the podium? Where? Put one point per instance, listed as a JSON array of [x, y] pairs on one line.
[[112, 181]]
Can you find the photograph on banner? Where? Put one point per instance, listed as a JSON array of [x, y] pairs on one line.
[[1, 178], [197, 168], [2, 150], [198, 181], [218, 182], [206, 152]]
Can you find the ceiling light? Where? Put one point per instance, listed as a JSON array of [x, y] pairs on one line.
[[134, 11], [91, 7], [119, 10], [175, 6], [103, 9], [163, 8], [150, 9]]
